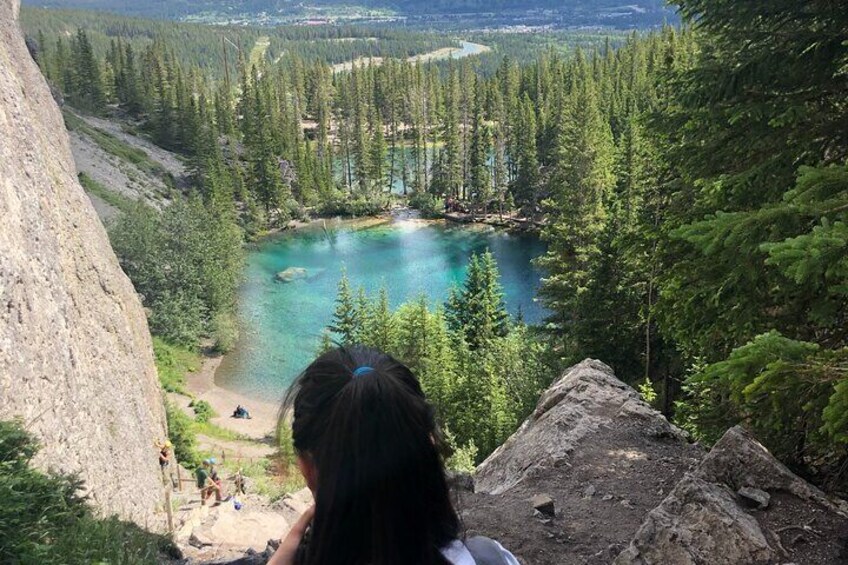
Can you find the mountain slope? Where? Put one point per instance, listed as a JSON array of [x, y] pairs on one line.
[[563, 12]]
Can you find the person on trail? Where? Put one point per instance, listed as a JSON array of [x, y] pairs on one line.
[[165, 455], [240, 486], [369, 448], [207, 484]]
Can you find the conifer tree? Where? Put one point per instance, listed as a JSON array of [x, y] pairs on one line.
[[346, 324], [477, 308]]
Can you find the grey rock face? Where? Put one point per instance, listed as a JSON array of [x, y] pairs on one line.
[[602, 456], [75, 357], [705, 518], [575, 408]]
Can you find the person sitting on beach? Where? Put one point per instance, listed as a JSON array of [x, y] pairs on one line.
[[241, 412], [369, 448]]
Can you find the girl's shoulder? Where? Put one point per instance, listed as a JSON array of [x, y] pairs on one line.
[[478, 551]]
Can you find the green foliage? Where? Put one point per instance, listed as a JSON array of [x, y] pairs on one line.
[[43, 519], [203, 411], [481, 395], [427, 204], [477, 310], [789, 392], [172, 364], [346, 324], [463, 458], [184, 262], [353, 205], [224, 329], [648, 392], [182, 434]]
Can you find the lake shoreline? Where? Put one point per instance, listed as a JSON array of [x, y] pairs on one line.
[[221, 382], [202, 386]]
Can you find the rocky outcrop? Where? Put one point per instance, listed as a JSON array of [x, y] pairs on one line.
[[742, 506], [597, 476], [75, 357], [593, 459]]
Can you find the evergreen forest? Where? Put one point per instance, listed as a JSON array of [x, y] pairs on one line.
[[691, 184]]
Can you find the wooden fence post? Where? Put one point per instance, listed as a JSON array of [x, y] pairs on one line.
[[169, 510]]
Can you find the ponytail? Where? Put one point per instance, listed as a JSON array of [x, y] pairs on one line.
[[381, 494]]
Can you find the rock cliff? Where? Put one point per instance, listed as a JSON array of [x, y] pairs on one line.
[[601, 456], [596, 476], [75, 357]]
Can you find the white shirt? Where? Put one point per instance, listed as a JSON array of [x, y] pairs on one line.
[[458, 554]]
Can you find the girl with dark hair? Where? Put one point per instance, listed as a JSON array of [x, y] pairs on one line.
[[369, 449]]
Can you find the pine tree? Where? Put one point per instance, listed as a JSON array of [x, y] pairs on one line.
[[477, 309], [480, 188], [377, 158], [346, 323], [382, 330], [525, 187], [580, 184]]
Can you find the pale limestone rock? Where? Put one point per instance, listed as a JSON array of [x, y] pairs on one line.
[[587, 398], [75, 357], [704, 520]]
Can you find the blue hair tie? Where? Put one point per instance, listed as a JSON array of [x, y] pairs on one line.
[[362, 371]]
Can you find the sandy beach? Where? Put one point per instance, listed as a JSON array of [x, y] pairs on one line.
[[263, 421]]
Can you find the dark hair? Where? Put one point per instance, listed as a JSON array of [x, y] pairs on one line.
[[381, 496]]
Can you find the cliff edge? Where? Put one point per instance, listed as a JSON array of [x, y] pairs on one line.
[[76, 363], [596, 476]]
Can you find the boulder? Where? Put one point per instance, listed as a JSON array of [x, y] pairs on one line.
[[291, 274], [707, 517], [544, 504], [572, 413]]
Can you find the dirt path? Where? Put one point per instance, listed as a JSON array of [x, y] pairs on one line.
[[260, 48]]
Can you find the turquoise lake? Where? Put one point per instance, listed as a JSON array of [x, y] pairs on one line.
[[282, 322]]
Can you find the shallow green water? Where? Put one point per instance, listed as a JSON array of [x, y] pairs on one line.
[[282, 323]]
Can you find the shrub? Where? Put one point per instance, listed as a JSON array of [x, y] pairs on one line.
[[225, 331], [354, 205], [649, 394], [428, 205], [172, 363], [462, 458], [182, 435], [202, 411], [793, 395], [43, 519]]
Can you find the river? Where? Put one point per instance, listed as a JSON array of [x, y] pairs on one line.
[[466, 49], [282, 322]]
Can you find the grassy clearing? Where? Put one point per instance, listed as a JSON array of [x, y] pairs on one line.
[[272, 477], [217, 432], [172, 363], [111, 197], [260, 48]]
